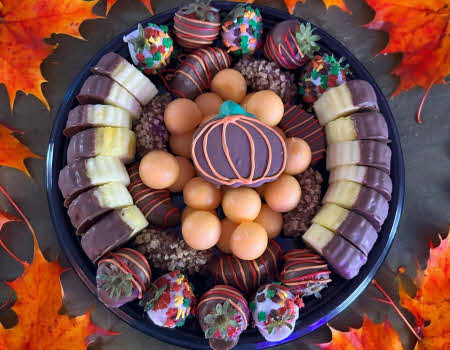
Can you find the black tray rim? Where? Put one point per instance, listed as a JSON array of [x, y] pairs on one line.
[[334, 307]]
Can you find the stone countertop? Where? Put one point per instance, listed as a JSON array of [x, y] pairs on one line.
[[426, 150]]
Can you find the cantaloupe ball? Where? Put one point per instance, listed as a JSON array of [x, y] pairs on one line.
[[181, 144], [298, 156], [272, 221], [260, 190], [201, 194], [283, 194], [267, 106], [182, 115], [228, 228], [209, 103], [188, 211], [201, 230], [241, 204], [280, 132], [159, 169], [229, 84], [248, 241], [187, 172], [245, 100]]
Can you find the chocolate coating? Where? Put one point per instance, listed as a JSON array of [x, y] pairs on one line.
[[257, 151], [370, 126], [107, 64], [344, 258], [379, 181], [375, 154], [82, 145], [363, 94], [95, 90], [73, 179], [77, 121], [358, 231], [194, 33], [371, 205]]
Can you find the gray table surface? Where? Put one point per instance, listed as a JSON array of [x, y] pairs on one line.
[[426, 150]]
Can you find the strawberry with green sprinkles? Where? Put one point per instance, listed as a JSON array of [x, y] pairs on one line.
[[170, 300], [275, 310], [150, 47]]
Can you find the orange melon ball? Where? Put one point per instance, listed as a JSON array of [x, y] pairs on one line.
[[159, 169], [281, 133], [298, 156], [201, 194], [187, 172], [283, 194], [267, 106], [182, 115], [245, 100], [260, 190], [248, 241], [241, 204], [207, 119], [188, 211], [229, 84], [209, 103], [181, 144], [272, 221], [201, 230], [228, 228]]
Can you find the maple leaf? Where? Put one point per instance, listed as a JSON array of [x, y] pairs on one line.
[[431, 304], [421, 31], [290, 4], [12, 151], [146, 3], [370, 336], [39, 300], [24, 24]]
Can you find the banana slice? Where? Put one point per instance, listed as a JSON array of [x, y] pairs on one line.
[[358, 126], [369, 153], [89, 205], [367, 176], [81, 175], [99, 89], [124, 73], [87, 116], [349, 225], [345, 99], [112, 230], [341, 255], [363, 200], [112, 142]]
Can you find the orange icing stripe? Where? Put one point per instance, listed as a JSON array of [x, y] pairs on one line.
[[137, 263], [121, 268], [226, 151], [236, 306], [190, 78], [244, 279], [252, 152], [205, 151]]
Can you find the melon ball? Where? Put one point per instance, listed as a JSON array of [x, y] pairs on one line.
[[272, 221], [228, 228], [245, 100], [267, 106], [209, 103], [229, 84], [283, 194], [159, 169], [260, 189], [201, 194], [298, 156], [280, 132], [181, 144], [187, 172], [248, 241], [188, 211], [241, 204], [182, 115], [201, 230]]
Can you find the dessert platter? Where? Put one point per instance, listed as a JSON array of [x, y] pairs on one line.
[[225, 176]]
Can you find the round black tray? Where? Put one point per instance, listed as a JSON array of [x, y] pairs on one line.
[[317, 312]]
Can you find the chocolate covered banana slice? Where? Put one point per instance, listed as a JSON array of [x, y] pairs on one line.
[[99, 89], [87, 116], [349, 225], [121, 71], [112, 230], [89, 205], [363, 200], [367, 176], [345, 99], [342, 256], [83, 174], [369, 153], [358, 126], [112, 142]]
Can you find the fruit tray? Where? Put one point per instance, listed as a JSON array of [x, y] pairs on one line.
[[317, 311]]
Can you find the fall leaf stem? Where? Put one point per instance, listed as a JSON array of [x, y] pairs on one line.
[[8, 300], [391, 302], [11, 253], [419, 112]]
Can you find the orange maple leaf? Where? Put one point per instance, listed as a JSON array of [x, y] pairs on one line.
[[431, 305], [39, 300], [12, 151], [24, 24], [421, 31], [370, 336], [290, 4], [146, 3]]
